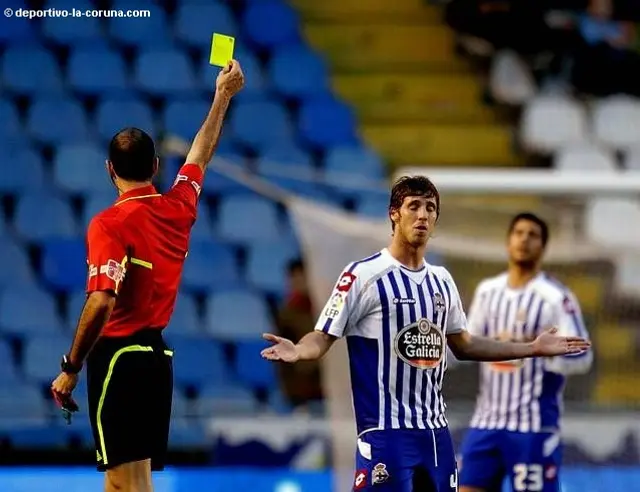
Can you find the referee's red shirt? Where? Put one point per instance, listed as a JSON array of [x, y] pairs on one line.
[[137, 248]]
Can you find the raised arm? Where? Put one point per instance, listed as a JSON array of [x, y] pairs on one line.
[[229, 82]]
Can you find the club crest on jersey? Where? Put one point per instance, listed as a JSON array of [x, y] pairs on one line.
[[438, 302], [379, 474], [421, 344]]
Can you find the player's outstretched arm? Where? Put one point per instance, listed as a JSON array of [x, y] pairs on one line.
[[229, 82], [470, 347], [312, 346]]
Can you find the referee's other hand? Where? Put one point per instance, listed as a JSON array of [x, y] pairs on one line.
[[230, 80]]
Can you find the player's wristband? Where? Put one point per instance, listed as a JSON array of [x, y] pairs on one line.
[[67, 367]]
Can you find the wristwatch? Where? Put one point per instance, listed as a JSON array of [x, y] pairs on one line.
[[68, 367]]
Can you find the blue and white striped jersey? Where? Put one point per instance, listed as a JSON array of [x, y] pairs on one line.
[[396, 321], [524, 395]]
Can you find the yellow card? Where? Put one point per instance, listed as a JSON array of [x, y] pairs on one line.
[[221, 49]]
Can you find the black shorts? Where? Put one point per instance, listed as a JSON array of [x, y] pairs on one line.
[[130, 387]]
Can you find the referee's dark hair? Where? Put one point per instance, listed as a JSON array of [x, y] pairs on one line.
[[531, 217], [133, 155]]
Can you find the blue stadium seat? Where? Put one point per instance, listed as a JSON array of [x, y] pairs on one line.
[[209, 265], [44, 124], [189, 437], [44, 436], [373, 206], [41, 356], [251, 368], [203, 229], [273, 126], [194, 24], [255, 83], [21, 403], [267, 265], [185, 318], [183, 117], [80, 168], [40, 216], [96, 70], [14, 157], [139, 31], [326, 122], [218, 183], [9, 376], [64, 264], [75, 304], [271, 23], [15, 29], [247, 218], [30, 69], [297, 71], [10, 127], [68, 30], [14, 264], [215, 400], [197, 361], [96, 203], [115, 113], [285, 160], [237, 314], [304, 188], [28, 310], [152, 75], [353, 159]]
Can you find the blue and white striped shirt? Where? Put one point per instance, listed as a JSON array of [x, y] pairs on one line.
[[524, 395], [396, 321]]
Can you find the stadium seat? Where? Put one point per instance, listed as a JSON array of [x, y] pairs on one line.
[[297, 72], [586, 157], [18, 30], [374, 206], [251, 368], [10, 127], [96, 203], [21, 403], [237, 314], [194, 23], [41, 356], [151, 73], [218, 183], [80, 168], [31, 175], [185, 318], [326, 122], [118, 112], [286, 160], [215, 400], [267, 265], [8, 371], [270, 24], [551, 122], [197, 361], [64, 265], [273, 126], [74, 306], [70, 30], [183, 117], [40, 436], [255, 83], [43, 121], [30, 69], [209, 265], [140, 31], [189, 437], [40, 216], [18, 313], [353, 160], [203, 229], [246, 218], [14, 264], [607, 221], [616, 121], [96, 70]]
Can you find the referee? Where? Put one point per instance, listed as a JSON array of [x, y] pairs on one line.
[[136, 251]]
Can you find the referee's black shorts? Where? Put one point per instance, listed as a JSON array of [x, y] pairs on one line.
[[130, 386]]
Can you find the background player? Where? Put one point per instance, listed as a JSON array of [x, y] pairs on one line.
[[136, 251], [398, 312], [515, 428]]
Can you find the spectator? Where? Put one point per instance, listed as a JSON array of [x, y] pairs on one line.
[[301, 382]]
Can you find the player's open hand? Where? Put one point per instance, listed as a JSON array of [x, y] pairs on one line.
[[283, 349], [549, 344], [230, 80]]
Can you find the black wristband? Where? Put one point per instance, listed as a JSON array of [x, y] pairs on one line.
[[67, 367]]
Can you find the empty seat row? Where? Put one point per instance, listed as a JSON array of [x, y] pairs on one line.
[[552, 122]]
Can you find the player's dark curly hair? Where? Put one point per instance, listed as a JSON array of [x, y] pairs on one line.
[[531, 217], [412, 186], [132, 153]]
